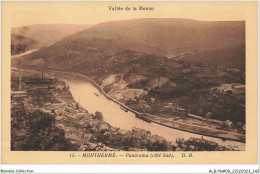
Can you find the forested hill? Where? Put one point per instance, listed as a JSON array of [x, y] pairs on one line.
[[164, 37]]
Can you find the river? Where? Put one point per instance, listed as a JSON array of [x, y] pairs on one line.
[[90, 98], [23, 54]]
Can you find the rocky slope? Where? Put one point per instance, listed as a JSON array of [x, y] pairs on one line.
[[116, 87]]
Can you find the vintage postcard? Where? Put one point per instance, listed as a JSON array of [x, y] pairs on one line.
[[129, 82]]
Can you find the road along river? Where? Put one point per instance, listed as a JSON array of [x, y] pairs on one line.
[[93, 99]]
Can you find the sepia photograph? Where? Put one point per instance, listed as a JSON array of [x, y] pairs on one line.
[[134, 83], [141, 84]]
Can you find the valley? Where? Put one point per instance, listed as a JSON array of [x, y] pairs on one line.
[[192, 74]]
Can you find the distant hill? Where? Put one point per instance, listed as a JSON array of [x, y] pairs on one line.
[[164, 36], [151, 36], [47, 34], [20, 44]]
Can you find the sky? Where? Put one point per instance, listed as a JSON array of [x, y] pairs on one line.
[[29, 13]]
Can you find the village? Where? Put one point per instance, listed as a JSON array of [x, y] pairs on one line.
[[46, 117], [174, 116]]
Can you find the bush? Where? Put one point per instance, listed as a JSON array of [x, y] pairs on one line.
[[99, 115], [39, 132]]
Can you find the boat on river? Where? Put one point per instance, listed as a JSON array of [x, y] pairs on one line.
[[142, 117], [124, 109]]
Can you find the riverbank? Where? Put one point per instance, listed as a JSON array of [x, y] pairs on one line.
[[166, 113], [86, 131]]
